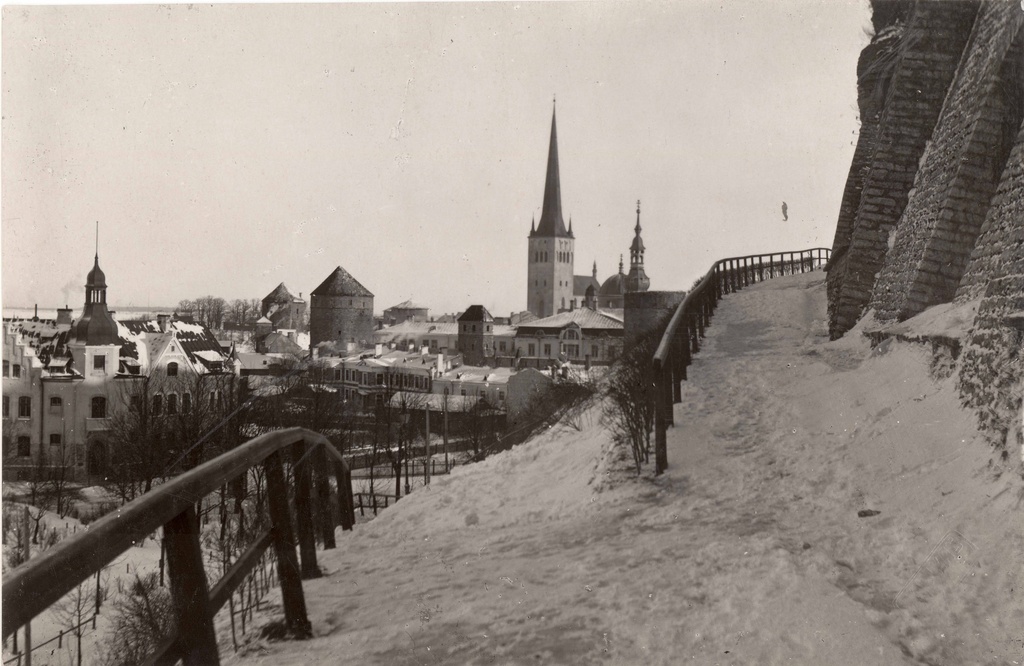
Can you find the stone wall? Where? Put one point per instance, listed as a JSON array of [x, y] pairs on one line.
[[998, 250], [644, 310], [991, 364], [915, 75], [341, 319], [959, 172]]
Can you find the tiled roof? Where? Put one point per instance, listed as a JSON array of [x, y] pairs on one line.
[[585, 318], [408, 305], [476, 313], [281, 295], [341, 283], [581, 282]]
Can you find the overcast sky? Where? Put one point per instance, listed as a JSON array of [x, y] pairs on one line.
[[224, 149]]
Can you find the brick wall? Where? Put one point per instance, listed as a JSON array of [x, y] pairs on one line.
[[922, 66], [959, 171]]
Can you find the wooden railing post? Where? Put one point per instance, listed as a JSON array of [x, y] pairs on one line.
[[292, 597], [660, 419], [196, 642], [343, 477], [303, 513], [324, 511]]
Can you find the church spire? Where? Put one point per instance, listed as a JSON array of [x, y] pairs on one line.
[[594, 272], [637, 279], [551, 221]]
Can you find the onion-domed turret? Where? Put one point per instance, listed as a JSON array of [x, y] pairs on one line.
[[97, 326]]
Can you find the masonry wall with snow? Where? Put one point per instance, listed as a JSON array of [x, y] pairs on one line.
[[914, 75], [960, 170], [933, 208]]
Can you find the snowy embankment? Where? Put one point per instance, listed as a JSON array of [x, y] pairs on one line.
[[749, 550]]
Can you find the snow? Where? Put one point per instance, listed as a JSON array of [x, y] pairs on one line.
[[748, 550]]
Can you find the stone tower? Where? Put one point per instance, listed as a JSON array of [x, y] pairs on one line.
[[476, 335], [637, 279], [341, 311], [549, 273]]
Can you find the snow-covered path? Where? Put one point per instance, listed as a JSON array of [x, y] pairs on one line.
[[749, 550]]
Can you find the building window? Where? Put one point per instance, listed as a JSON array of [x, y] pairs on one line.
[[7, 368], [54, 439], [55, 405], [158, 405], [24, 446], [593, 351], [186, 402], [172, 403], [16, 370], [547, 349], [172, 369], [213, 399], [99, 362], [99, 407], [463, 391], [7, 406], [530, 349], [337, 375], [24, 407], [501, 395]]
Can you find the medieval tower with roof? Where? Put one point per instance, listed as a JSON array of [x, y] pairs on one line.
[[551, 247], [341, 312]]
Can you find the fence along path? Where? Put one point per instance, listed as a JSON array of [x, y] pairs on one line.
[[685, 330], [32, 587]]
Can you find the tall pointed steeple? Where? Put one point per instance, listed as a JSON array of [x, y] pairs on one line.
[[551, 222], [637, 279]]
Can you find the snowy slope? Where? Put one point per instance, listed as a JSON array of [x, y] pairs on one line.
[[749, 550]]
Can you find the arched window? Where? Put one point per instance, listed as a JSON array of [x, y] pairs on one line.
[[99, 407], [186, 402], [172, 403], [172, 369], [158, 405]]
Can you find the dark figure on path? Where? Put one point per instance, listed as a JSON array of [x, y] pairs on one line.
[[785, 212]]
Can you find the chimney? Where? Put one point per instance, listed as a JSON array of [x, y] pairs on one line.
[[63, 315], [378, 349], [161, 320], [440, 363], [35, 317]]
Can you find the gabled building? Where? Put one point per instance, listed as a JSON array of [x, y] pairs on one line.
[[63, 380], [284, 310], [580, 336], [405, 311]]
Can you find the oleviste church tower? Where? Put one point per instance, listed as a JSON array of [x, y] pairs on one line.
[[551, 247]]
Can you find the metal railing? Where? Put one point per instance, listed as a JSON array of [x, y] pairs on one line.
[[685, 330], [31, 588]]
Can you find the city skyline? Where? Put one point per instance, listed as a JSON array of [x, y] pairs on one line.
[[226, 149]]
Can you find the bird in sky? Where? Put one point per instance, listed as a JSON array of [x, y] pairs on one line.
[[785, 212]]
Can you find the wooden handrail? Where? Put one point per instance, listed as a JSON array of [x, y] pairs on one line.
[[685, 329], [37, 584]]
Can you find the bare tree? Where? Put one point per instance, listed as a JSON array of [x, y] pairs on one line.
[[629, 410], [73, 612], [142, 619]]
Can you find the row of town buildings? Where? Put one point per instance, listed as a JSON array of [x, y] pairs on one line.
[[63, 379]]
